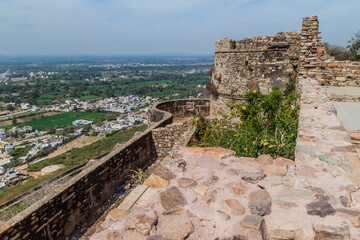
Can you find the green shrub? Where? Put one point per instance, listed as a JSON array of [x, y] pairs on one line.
[[19, 152], [268, 125]]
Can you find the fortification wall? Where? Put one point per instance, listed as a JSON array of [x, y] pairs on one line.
[[180, 108], [79, 200], [315, 62], [252, 63], [166, 137], [264, 62]]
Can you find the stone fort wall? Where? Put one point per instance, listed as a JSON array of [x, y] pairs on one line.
[[252, 63], [315, 62], [59, 214], [268, 61]]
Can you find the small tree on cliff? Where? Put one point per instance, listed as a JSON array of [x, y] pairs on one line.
[[354, 47]]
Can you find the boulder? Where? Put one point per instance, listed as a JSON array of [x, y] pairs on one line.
[[211, 180], [282, 234], [233, 172]]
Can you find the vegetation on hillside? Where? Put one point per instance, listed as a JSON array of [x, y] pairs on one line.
[[81, 155], [70, 160], [61, 120], [19, 152], [266, 124]]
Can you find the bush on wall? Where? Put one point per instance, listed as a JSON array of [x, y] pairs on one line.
[[268, 125]]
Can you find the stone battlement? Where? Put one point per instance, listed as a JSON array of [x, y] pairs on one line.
[[279, 42], [264, 62]]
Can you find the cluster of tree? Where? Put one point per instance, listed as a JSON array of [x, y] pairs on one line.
[[351, 52], [47, 91]]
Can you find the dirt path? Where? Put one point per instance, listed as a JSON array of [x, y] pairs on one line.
[[77, 143]]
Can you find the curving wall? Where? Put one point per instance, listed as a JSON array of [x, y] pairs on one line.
[[58, 215]]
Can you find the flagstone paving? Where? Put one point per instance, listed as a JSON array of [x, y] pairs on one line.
[[208, 193]]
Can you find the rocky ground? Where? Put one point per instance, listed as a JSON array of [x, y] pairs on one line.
[[208, 193]]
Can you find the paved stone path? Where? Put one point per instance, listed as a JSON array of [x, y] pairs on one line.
[[208, 193]]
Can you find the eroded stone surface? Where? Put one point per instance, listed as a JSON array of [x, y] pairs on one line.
[[253, 177], [264, 160], [172, 200], [235, 207], [260, 203], [321, 209], [176, 227], [345, 201], [160, 178], [298, 197], [330, 232], [141, 223], [187, 182], [208, 162], [252, 221], [280, 161]]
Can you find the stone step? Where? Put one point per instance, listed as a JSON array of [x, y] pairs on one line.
[[132, 198]]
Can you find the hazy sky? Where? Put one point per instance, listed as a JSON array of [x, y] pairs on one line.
[[72, 27]]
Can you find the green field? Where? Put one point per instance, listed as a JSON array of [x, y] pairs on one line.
[[64, 119], [70, 160], [44, 100]]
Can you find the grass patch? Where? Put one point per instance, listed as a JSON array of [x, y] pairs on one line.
[[70, 160], [12, 192], [19, 152], [64, 119], [9, 212], [81, 155], [89, 97], [44, 100]]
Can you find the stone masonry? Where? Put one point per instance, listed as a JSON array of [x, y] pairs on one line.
[[264, 62], [315, 62], [209, 194], [252, 63], [58, 214]]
